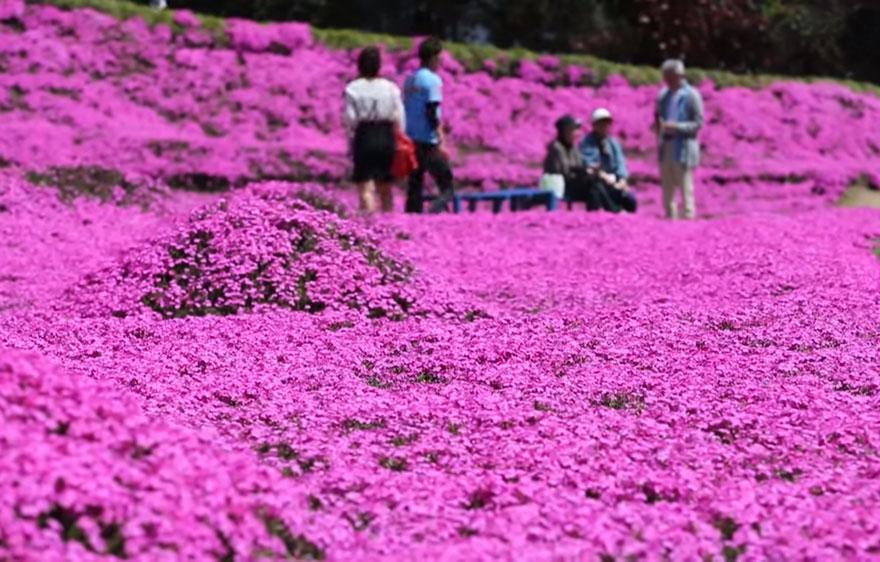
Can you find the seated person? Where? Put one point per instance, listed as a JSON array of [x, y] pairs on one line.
[[565, 159], [606, 162]]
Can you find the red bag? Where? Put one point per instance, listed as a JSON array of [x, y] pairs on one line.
[[405, 159]]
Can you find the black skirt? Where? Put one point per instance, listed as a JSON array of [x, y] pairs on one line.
[[373, 150]]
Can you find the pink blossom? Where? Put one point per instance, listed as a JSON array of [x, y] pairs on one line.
[[205, 354], [185, 18]]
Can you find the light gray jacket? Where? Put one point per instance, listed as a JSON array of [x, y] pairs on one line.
[[690, 121]]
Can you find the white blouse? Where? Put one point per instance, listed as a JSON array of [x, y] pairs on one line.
[[374, 99]]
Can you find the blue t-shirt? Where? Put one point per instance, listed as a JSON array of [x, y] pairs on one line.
[[421, 88]]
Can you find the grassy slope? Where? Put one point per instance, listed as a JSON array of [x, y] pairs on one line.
[[472, 56]]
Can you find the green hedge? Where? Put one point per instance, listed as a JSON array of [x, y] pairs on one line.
[[471, 56], [122, 9]]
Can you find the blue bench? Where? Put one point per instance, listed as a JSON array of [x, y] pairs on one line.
[[516, 196]]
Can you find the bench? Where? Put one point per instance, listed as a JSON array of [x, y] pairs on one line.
[[515, 196]]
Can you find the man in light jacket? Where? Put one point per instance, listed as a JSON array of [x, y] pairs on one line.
[[678, 119]]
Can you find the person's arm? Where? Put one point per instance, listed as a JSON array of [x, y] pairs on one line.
[[695, 123], [435, 113], [433, 110], [619, 179], [621, 170], [350, 115], [400, 111], [658, 113], [591, 157], [553, 163], [435, 100]]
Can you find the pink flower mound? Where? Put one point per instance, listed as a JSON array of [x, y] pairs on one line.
[[11, 9], [185, 18], [86, 476], [265, 247], [252, 36]]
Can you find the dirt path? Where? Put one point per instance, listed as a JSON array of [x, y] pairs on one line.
[[860, 195]]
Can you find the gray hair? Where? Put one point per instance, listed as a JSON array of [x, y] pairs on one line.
[[675, 66]]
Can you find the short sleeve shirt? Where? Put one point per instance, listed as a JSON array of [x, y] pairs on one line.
[[421, 88], [372, 100]]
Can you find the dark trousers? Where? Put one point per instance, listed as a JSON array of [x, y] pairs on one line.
[[432, 162], [625, 200], [598, 195]]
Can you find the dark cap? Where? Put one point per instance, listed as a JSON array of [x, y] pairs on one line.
[[568, 122]]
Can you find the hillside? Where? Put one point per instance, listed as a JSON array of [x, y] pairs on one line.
[[173, 102]]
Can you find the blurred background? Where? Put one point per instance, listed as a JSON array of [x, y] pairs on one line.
[[837, 38]]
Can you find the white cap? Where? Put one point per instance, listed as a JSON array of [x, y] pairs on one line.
[[601, 114]]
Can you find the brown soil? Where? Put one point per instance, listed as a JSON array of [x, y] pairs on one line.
[[860, 195]]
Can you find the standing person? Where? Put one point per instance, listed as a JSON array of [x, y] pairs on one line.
[[373, 109], [606, 162], [678, 119], [423, 95]]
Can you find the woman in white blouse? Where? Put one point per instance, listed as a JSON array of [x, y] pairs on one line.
[[373, 110]]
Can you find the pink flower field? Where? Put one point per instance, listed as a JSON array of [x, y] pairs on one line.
[[207, 354]]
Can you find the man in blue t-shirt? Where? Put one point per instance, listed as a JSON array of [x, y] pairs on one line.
[[422, 97]]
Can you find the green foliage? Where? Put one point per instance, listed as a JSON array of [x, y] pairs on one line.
[[352, 424], [394, 464], [123, 10], [472, 56], [298, 547], [806, 32], [68, 522], [351, 39], [427, 377], [623, 401], [95, 182]]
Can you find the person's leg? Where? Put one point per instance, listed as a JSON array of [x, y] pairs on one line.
[[590, 191], [687, 184], [621, 200], [386, 147], [608, 197], [366, 196], [592, 198], [628, 202], [386, 196], [414, 196], [414, 201], [579, 189], [441, 171], [669, 181]]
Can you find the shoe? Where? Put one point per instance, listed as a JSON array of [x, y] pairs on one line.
[[440, 205]]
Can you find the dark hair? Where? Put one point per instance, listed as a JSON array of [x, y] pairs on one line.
[[430, 48], [369, 62]]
